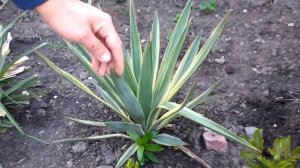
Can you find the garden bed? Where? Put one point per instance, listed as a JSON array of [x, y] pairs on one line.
[[260, 85]]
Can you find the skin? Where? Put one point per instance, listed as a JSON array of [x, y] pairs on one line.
[[79, 22]]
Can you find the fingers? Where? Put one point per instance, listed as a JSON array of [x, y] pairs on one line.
[[100, 54], [106, 31]]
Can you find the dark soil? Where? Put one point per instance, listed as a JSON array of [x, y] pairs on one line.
[[260, 85]]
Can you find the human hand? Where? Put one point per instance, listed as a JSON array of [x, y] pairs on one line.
[[79, 22]]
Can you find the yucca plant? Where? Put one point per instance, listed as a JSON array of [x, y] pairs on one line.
[[12, 92], [143, 96]]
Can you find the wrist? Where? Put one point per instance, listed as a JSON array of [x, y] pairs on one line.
[[52, 6]]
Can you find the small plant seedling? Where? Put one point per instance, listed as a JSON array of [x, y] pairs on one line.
[[208, 6], [176, 17], [131, 164], [279, 156]]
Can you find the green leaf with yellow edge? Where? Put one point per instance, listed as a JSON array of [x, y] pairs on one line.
[[155, 48], [135, 43], [119, 126], [76, 82], [91, 138], [133, 108], [200, 57], [88, 122], [168, 116], [129, 152], [161, 94], [168, 140], [129, 73], [171, 54], [145, 92], [200, 119]]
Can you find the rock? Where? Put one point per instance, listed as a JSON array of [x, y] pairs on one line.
[[216, 142], [42, 132], [250, 131], [291, 24], [104, 166], [41, 112], [259, 40], [70, 164], [258, 2], [109, 158], [79, 147], [83, 75], [220, 60]]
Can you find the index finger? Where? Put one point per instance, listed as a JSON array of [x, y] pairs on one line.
[[108, 34]]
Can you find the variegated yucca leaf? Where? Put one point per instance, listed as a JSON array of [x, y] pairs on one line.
[[13, 92], [143, 96]]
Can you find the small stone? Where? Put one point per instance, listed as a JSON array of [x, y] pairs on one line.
[[55, 97], [266, 93], [250, 131], [220, 60], [42, 132], [109, 158], [259, 40], [69, 164], [98, 159], [41, 112], [291, 24], [79, 147], [216, 142], [25, 93], [229, 69], [83, 75], [258, 2], [104, 166]]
